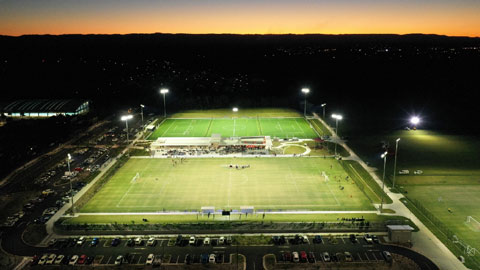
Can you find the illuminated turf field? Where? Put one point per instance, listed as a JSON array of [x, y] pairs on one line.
[[269, 183], [275, 127]]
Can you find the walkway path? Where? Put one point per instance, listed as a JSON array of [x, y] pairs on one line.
[[424, 241]]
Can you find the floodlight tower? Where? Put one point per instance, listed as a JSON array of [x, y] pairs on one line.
[[69, 158], [395, 163], [126, 118], [305, 91], [336, 117], [163, 91], [141, 110], [323, 106], [415, 120], [384, 156]]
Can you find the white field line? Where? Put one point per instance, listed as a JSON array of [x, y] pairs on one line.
[[304, 134], [168, 129], [124, 195]]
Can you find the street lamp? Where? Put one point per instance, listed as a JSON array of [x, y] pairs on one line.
[[163, 91], [395, 163], [141, 109], [323, 106], [384, 156], [336, 117], [305, 92], [69, 158], [126, 118]]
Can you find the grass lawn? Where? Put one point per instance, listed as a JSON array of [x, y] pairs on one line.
[[221, 113], [275, 127], [269, 183]]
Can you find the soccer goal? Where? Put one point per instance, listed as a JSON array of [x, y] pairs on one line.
[[326, 176], [473, 224], [135, 178]]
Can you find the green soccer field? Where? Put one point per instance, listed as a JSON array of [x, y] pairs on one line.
[[281, 183], [275, 127]]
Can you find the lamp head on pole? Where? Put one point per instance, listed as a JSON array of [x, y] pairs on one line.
[[126, 117], [69, 156], [324, 104], [141, 105], [415, 120], [305, 90], [235, 109], [163, 91], [397, 140], [384, 155], [337, 116]]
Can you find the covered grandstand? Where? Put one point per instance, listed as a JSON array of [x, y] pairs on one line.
[[45, 108]]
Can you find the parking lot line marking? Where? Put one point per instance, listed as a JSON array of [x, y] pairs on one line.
[[139, 259], [108, 262], [178, 257], [375, 257], [343, 239], [359, 257], [366, 255]]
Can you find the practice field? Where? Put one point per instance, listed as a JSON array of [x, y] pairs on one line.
[[275, 127], [281, 183]]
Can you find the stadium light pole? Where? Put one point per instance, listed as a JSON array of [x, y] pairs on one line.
[[163, 91], [305, 91], [126, 118], [384, 156], [141, 110], [69, 158], [323, 106], [415, 120], [395, 163], [336, 117]]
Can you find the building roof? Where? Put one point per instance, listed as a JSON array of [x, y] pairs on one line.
[[42, 105], [400, 227]]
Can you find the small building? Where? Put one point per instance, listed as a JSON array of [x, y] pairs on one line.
[[400, 234], [41, 108]]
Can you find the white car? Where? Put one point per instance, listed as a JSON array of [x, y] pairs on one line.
[[73, 260], [295, 257], [151, 241], [221, 241], [150, 259], [192, 240], [81, 240], [138, 241], [119, 260], [326, 256], [404, 172], [211, 259], [59, 259], [206, 241], [418, 172], [43, 259], [50, 259]]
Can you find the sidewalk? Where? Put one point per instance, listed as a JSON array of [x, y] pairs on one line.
[[424, 241]]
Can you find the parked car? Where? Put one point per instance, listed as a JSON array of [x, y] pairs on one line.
[[353, 238], [151, 242], [317, 239], [221, 240], [119, 260], [82, 259], [131, 242], [311, 257], [94, 242], [206, 242], [81, 240], [211, 259], [326, 256], [73, 260], [150, 259], [295, 257], [348, 256], [192, 240], [303, 256], [50, 259], [287, 256], [387, 255], [138, 241], [89, 259], [43, 259], [368, 239], [34, 260], [59, 259], [115, 242]]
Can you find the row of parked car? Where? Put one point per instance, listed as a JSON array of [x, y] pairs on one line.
[[53, 259], [310, 257]]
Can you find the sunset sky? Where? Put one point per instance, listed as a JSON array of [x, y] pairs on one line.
[[445, 17]]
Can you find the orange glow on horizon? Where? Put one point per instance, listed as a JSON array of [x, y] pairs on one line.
[[285, 18]]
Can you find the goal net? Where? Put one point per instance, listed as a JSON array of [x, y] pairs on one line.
[[135, 178], [473, 224]]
